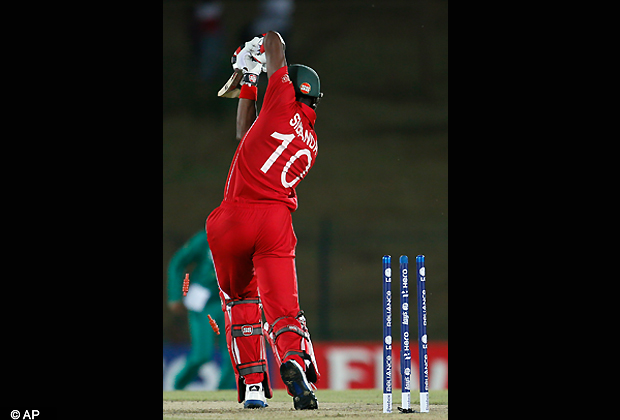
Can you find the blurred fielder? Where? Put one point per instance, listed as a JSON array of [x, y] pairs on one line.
[[251, 233], [199, 303]]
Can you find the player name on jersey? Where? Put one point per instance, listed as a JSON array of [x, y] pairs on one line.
[[306, 136]]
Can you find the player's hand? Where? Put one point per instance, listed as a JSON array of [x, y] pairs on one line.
[[244, 61], [255, 46], [246, 68], [176, 307], [248, 55], [239, 58]]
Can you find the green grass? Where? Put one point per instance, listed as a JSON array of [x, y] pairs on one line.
[[367, 396], [359, 404]]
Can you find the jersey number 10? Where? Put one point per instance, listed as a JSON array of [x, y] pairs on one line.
[[286, 140]]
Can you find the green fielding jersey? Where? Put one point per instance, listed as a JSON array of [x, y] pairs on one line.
[[197, 251]]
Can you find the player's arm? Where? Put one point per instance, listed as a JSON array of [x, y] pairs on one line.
[[274, 50], [273, 46], [246, 107], [246, 114]]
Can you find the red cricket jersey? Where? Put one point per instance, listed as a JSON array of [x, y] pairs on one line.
[[277, 151]]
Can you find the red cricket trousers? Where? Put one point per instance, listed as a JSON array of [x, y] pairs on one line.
[[253, 249]]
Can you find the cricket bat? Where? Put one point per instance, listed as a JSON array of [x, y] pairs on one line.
[[231, 89]]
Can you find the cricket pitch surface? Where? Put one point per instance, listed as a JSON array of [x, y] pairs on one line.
[[359, 404]]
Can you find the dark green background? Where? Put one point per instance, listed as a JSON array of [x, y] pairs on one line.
[[380, 182]]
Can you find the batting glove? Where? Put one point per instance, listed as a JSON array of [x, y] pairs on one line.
[[243, 60], [249, 54]]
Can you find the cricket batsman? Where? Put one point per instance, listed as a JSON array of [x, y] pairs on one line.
[[251, 233]]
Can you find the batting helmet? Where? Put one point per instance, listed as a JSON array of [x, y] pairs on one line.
[[305, 80]]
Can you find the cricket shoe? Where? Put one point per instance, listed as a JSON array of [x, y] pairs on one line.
[[295, 380], [255, 396]]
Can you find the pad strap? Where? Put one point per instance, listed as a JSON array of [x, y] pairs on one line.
[[292, 328], [246, 330], [301, 354], [252, 367], [232, 303]]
